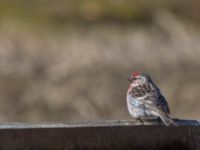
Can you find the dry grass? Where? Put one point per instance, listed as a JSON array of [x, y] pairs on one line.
[[81, 73]]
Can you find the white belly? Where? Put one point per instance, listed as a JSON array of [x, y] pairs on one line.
[[136, 108]]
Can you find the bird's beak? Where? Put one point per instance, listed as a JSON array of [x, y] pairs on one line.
[[130, 78]]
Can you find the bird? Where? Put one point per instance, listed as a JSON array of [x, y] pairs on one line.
[[145, 100]]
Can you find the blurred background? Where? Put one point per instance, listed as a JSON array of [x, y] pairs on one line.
[[69, 60]]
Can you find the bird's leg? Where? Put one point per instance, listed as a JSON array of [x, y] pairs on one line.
[[140, 120]]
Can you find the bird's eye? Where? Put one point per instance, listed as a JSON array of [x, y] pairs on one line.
[[132, 78]]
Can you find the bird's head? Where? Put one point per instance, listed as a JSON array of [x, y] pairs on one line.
[[138, 78]]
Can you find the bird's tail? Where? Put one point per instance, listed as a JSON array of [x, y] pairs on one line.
[[167, 120]]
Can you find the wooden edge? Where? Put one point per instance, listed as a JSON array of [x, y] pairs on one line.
[[100, 123]]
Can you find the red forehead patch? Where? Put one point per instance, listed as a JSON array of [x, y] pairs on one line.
[[135, 74]]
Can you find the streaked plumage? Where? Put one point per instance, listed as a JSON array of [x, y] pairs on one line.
[[144, 99]]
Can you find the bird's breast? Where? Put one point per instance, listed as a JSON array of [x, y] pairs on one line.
[[133, 102]]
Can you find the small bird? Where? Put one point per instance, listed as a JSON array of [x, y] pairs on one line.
[[144, 99]]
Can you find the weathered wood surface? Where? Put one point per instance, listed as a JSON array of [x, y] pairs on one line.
[[101, 135]]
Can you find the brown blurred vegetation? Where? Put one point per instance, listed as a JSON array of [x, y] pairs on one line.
[[63, 12], [69, 60]]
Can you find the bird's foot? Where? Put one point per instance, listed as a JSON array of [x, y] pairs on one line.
[[140, 120]]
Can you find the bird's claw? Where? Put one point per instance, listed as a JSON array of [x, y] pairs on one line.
[[140, 120]]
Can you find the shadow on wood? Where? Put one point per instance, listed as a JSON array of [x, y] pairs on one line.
[[102, 135]]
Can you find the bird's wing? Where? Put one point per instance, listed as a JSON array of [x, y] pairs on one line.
[[151, 96]]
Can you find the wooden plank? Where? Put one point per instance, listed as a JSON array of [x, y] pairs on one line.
[[101, 123], [100, 135]]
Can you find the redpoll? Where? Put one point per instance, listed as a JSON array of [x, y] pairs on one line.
[[144, 99]]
